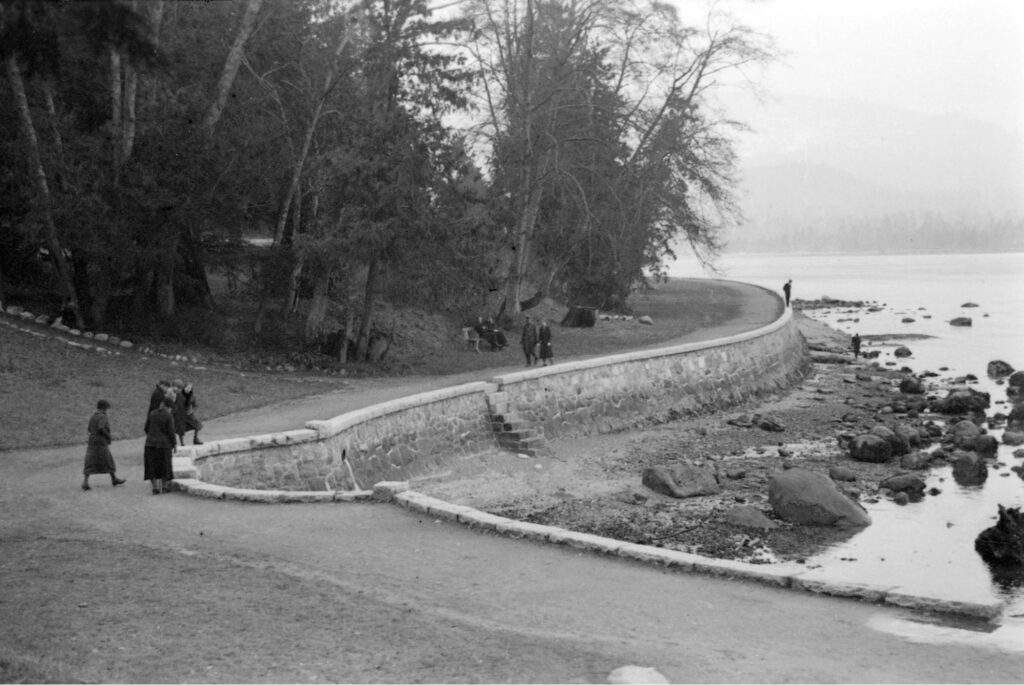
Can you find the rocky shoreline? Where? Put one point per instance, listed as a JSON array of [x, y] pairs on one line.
[[856, 428]]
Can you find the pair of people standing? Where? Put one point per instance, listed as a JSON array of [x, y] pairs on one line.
[[536, 342], [171, 415]]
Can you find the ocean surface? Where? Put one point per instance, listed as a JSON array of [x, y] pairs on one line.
[[924, 547]]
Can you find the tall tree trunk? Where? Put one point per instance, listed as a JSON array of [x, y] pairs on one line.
[[58, 141], [318, 305], [28, 131], [363, 341], [131, 83], [346, 337], [231, 64]]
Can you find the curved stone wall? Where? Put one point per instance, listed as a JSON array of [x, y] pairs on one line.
[[416, 435]]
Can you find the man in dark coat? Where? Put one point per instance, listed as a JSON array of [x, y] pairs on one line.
[[98, 458], [855, 343], [528, 339], [788, 289]]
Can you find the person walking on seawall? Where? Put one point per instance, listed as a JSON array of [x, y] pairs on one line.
[[98, 458], [788, 290], [855, 343], [544, 338], [161, 442], [528, 339]]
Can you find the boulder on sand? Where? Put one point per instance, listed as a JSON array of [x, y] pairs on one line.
[[746, 516], [809, 498], [962, 401], [912, 386], [1013, 438], [900, 444], [961, 321], [903, 351], [681, 480], [870, 448]]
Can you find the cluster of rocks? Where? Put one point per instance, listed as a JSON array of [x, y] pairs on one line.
[[55, 324], [917, 429]]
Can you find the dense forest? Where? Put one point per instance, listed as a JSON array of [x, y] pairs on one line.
[[288, 167]]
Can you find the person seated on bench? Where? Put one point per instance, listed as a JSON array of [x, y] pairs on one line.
[[498, 339], [471, 337], [484, 331]]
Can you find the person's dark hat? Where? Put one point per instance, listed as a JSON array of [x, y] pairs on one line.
[[103, 405]]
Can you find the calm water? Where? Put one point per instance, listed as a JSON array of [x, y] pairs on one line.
[[925, 547]]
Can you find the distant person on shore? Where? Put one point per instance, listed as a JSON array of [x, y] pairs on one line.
[[98, 458], [528, 339], [544, 338], [855, 343], [788, 290], [161, 442]]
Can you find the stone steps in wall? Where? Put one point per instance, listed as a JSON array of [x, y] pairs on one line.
[[511, 432]]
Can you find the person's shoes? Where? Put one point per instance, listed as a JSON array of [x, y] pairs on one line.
[[155, 491], [117, 481], [197, 441], [85, 486]]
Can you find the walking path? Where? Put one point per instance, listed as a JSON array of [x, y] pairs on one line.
[[524, 611]]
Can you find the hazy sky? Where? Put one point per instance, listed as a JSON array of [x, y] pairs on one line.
[[932, 56]]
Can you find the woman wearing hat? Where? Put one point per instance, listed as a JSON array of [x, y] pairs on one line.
[[98, 458]]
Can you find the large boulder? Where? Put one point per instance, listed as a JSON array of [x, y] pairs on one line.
[[871, 448], [919, 459], [899, 443], [804, 497], [1013, 438], [1016, 379], [912, 386], [962, 401], [681, 480], [746, 516], [985, 445], [961, 321], [903, 351], [1003, 543], [969, 468], [964, 429], [904, 482], [998, 368]]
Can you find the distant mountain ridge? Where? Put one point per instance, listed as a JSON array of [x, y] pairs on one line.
[[815, 164]]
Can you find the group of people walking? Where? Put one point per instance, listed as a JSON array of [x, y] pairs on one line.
[[171, 415]]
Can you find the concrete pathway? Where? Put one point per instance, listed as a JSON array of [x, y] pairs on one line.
[[691, 628]]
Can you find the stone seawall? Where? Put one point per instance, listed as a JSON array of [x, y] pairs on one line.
[[417, 435], [388, 441], [614, 393]]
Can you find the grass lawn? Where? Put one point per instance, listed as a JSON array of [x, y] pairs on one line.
[[49, 389]]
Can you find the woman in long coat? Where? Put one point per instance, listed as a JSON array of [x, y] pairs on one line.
[[161, 441], [528, 339], [98, 458]]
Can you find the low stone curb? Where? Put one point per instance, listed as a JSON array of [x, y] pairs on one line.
[[780, 575], [198, 488]]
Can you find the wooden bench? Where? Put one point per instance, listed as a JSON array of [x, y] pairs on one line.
[[471, 337]]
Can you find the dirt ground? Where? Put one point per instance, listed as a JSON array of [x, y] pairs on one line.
[[593, 484]]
